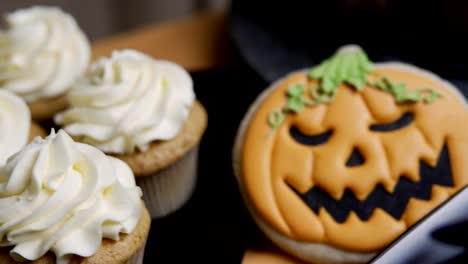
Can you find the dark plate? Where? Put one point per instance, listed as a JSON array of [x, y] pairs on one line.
[[441, 237]]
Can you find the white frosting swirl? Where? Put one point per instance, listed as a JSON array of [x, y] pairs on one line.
[[42, 52], [61, 196], [15, 124], [127, 101]]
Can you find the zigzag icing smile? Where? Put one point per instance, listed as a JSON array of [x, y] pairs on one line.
[[394, 203]]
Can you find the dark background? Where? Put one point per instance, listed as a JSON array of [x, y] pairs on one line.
[[214, 226], [429, 33]]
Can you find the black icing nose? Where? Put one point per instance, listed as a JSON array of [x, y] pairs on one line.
[[356, 159]]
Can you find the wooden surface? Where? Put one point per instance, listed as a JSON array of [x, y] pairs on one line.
[[197, 43]]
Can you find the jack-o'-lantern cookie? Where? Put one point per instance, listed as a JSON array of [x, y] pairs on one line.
[[337, 161]]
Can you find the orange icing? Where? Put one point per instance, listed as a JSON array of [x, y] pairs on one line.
[[271, 158]]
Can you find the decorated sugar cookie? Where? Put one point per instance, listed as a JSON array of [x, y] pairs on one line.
[[337, 161]]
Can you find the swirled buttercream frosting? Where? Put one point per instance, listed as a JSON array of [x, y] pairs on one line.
[[127, 101], [42, 52], [65, 197], [15, 124]]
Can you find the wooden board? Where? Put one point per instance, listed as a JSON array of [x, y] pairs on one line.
[[197, 43]]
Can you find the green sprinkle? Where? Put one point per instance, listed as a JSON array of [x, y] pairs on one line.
[[431, 95], [401, 93], [321, 98], [410, 97], [379, 84], [275, 118], [294, 104], [295, 90], [310, 103], [398, 89]]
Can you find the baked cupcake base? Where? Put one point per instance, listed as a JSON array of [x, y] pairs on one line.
[[36, 131], [167, 171], [128, 250], [138, 257], [45, 109]]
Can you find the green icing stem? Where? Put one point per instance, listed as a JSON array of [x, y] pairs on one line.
[[351, 66], [401, 93], [296, 102], [431, 95], [321, 98], [348, 65]]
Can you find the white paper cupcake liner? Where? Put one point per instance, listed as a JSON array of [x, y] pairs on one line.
[[167, 190], [137, 258]]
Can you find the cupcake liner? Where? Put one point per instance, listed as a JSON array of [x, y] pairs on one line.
[[137, 258], [167, 190]]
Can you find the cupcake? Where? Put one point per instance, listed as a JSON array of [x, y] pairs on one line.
[[42, 52], [67, 202], [335, 162], [142, 111], [15, 124]]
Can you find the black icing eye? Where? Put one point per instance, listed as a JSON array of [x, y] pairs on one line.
[[310, 140], [403, 121]]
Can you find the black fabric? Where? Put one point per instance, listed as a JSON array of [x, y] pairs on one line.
[[453, 233], [393, 203]]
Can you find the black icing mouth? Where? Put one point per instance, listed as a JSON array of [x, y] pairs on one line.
[[393, 203]]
